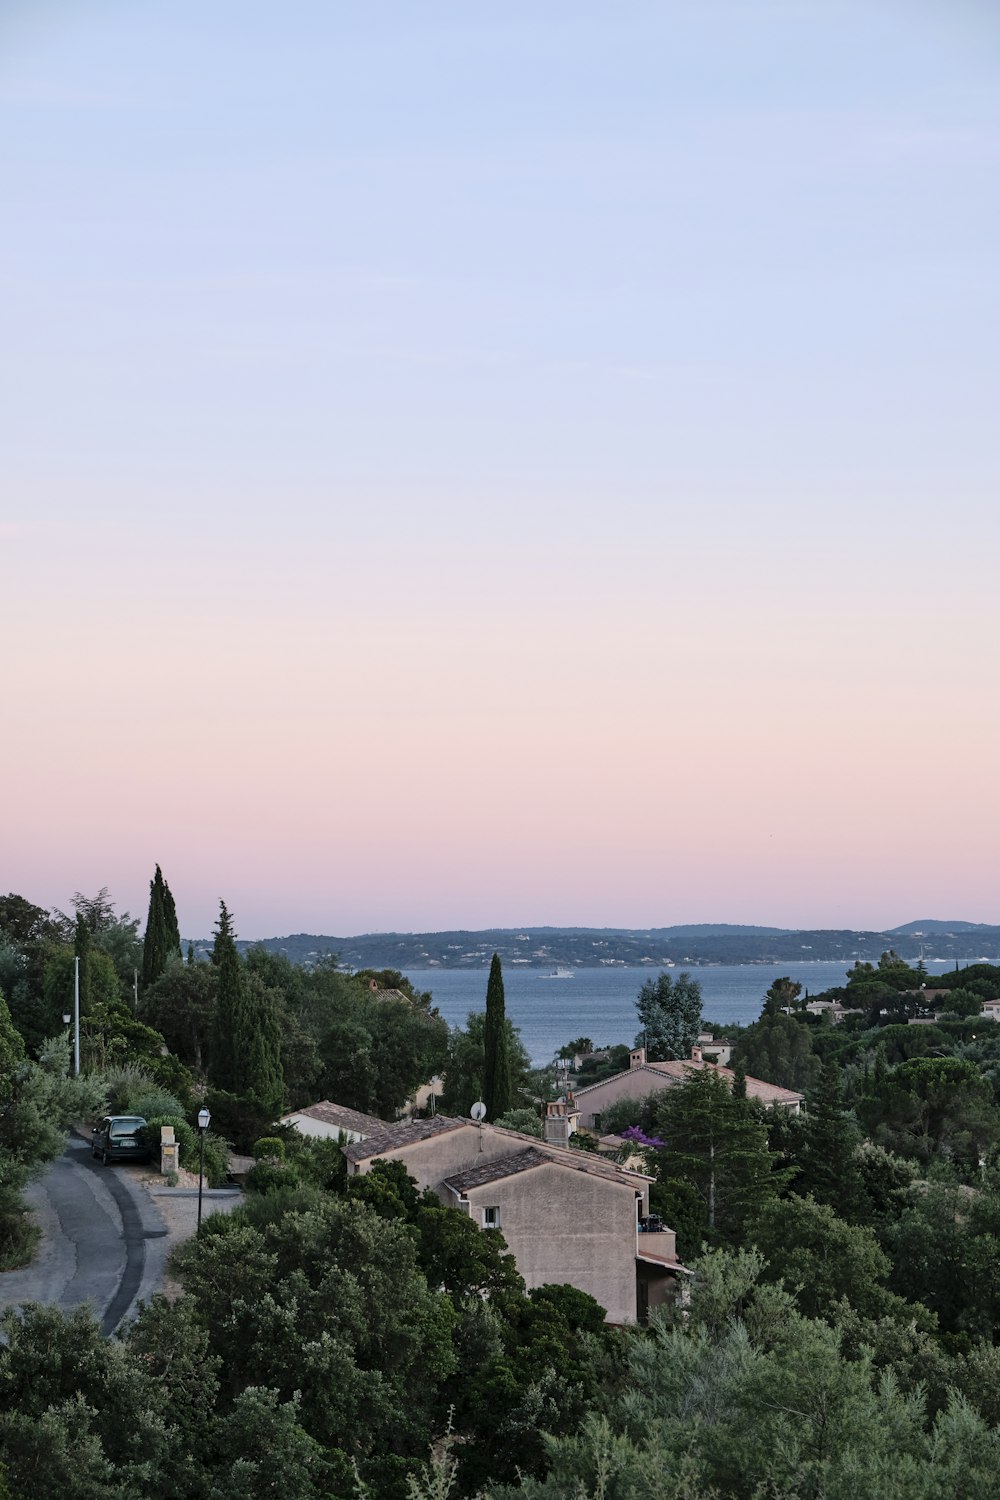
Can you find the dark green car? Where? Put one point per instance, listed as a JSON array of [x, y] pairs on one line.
[[120, 1138]]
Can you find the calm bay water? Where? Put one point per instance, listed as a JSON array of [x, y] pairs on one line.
[[600, 1003]]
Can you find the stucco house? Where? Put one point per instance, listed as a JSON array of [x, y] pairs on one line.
[[644, 1078], [566, 1215]]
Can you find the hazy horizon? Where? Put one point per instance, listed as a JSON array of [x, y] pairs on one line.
[[462, 464]]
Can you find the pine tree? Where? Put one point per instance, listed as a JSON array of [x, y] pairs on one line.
[[154, 943], [829, 1167], [498, 1091], [717, 1146]]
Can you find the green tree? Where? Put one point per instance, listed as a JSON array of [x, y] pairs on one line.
[[930, 1106], [465, 1063], [827, 1159], [779, 1050], [224, 1071], [81, 954], [781, 997], [181, 1004], [162, 941], [821, 1258], [716, 1145], [670, 1015], [498, 1087]]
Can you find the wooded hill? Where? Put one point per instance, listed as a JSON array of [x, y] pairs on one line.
[[589, 947]]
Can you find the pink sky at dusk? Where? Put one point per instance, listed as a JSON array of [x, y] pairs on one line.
[[503, 471]]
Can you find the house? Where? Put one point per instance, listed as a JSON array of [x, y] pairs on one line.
[[833, 1009], [644, 1078], [567, 1216], [718, 1048], [332, 1121]]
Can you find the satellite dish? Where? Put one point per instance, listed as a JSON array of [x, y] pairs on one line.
[[478, 1111]]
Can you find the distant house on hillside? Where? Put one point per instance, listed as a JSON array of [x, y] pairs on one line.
[[644, 1078], [567, 1216], [833, 1009]]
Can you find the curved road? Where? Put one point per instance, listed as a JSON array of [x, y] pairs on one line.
[[97, 1226]]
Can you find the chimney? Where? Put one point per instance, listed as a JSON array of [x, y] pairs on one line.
[[637, 1057], [556, 1124], [696, 1053]]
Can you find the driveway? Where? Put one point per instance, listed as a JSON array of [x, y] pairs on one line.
[[104, 1242]]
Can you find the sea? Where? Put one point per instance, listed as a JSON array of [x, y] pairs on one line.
[[600, 1003]]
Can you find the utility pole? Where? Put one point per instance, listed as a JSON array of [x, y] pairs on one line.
[[76, 1016]]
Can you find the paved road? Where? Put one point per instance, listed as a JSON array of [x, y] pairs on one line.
[[103, 1240]]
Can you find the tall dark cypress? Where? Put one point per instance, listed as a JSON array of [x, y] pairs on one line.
[[498, 1089], [229, 1006], [154, 943], [246, 1054], [171, 929]]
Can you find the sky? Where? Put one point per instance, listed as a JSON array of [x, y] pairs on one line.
[[501, 465]]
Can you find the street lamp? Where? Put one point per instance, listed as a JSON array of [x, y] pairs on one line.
[[204, 1120]]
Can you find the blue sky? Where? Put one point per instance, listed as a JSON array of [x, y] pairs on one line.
[[372, 364]]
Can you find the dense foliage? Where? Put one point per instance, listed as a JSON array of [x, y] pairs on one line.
[[342, 1337]]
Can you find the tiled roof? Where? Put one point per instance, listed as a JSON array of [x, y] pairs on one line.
[[329, 1113], [540, 1154], [493, 1171], [390, 1137], [679, 1071]]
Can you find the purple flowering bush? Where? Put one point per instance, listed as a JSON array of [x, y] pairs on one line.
[[639, 1137]]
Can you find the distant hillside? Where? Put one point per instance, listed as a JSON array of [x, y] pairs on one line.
[[931, 928], [591, 947]]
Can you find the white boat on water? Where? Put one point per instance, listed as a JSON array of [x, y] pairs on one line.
[[560, 973]]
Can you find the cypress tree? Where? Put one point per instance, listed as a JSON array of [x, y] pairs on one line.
[[498, 1090], [246, 1056], [154, 943], [229, 1004], [171, 930]]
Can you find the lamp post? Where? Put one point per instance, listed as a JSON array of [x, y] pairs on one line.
[[204, 1119]]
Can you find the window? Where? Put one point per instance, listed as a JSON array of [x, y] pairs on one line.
[[491, 1217]]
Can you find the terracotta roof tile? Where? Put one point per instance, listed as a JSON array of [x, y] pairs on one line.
[[390, 1137], [329, 1113], [680, 1070]]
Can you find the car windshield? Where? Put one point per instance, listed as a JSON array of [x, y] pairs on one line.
[[125, 1128]]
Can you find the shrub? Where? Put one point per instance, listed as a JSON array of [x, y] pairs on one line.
[[269, 1177], [524, 1120], [216, 1149], [269, 1148], [123, 1085], [185, 1137], [154, 1102]]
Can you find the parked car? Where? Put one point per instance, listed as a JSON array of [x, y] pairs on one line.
[[121, 1138]]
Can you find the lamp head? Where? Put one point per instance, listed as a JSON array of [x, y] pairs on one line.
[[204, 1118]]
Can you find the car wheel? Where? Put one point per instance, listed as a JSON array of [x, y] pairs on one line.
[[105, 1158]]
